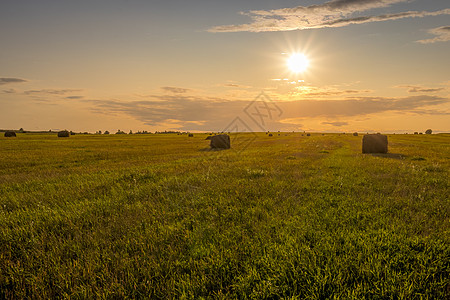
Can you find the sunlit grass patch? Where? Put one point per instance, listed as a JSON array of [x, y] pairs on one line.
[[156, 217]]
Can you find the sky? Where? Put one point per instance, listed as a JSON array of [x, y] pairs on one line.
[[213, 65]]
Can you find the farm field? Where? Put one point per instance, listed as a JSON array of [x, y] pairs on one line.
[[160, 216]]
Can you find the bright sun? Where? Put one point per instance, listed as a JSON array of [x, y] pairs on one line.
[[298, 62]]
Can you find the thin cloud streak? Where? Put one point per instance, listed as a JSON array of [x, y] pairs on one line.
[[6, 80], [420, 89], [175, 90], [336, 13], [50, 92], [442, 35], [335, 124]]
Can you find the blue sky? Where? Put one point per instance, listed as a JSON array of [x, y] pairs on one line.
[[196, 65]]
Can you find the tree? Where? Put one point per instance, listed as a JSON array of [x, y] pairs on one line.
[[428, 131]]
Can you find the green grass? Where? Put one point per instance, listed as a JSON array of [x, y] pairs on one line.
[[158, 216]]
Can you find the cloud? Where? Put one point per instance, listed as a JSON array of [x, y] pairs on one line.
[[335, 13], [191, 113], [210, 113], [307, 91], [359, 106], [420, 89], [387, 17], [11, 80], [442, 35], [50, 92], [175, 90], [74, 97], [236, 85], [336, 124]]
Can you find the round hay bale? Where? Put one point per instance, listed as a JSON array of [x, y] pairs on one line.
[[191, 135], [308, 134], [63, 133], [221, 141], [270, 134], [10, 134], [374, 143], [355, 134]]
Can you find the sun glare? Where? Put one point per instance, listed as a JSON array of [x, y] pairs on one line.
[[297, 62]]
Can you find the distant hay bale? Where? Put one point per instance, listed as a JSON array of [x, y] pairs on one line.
[[221, 141], [355, 134], [10, 134], [63, 133], [374, 143], [270, 134], [416, 132], [191, 135], [308, 134]]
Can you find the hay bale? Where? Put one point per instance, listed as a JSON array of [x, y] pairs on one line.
[[416, 132], [270, 134], [355, 134], [221, 141], [190, 135], [63, 133], [10, 134], [308, 134], [374, 143]]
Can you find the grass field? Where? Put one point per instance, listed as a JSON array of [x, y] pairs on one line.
[[159, 216]]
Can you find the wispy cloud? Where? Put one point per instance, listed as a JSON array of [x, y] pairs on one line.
[[209, 113], [335, 124], [193, 113], [335, 13], [309, 91], [359, 106], [50, 92], [74, 97], [442, 34], [9, 91], [175, 90], [236, 85], [4, 80], [420, 89]]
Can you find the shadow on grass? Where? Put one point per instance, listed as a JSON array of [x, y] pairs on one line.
[[389, 155], [208, 149]]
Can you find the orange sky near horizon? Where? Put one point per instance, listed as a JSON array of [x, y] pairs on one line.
[[378, 66]]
